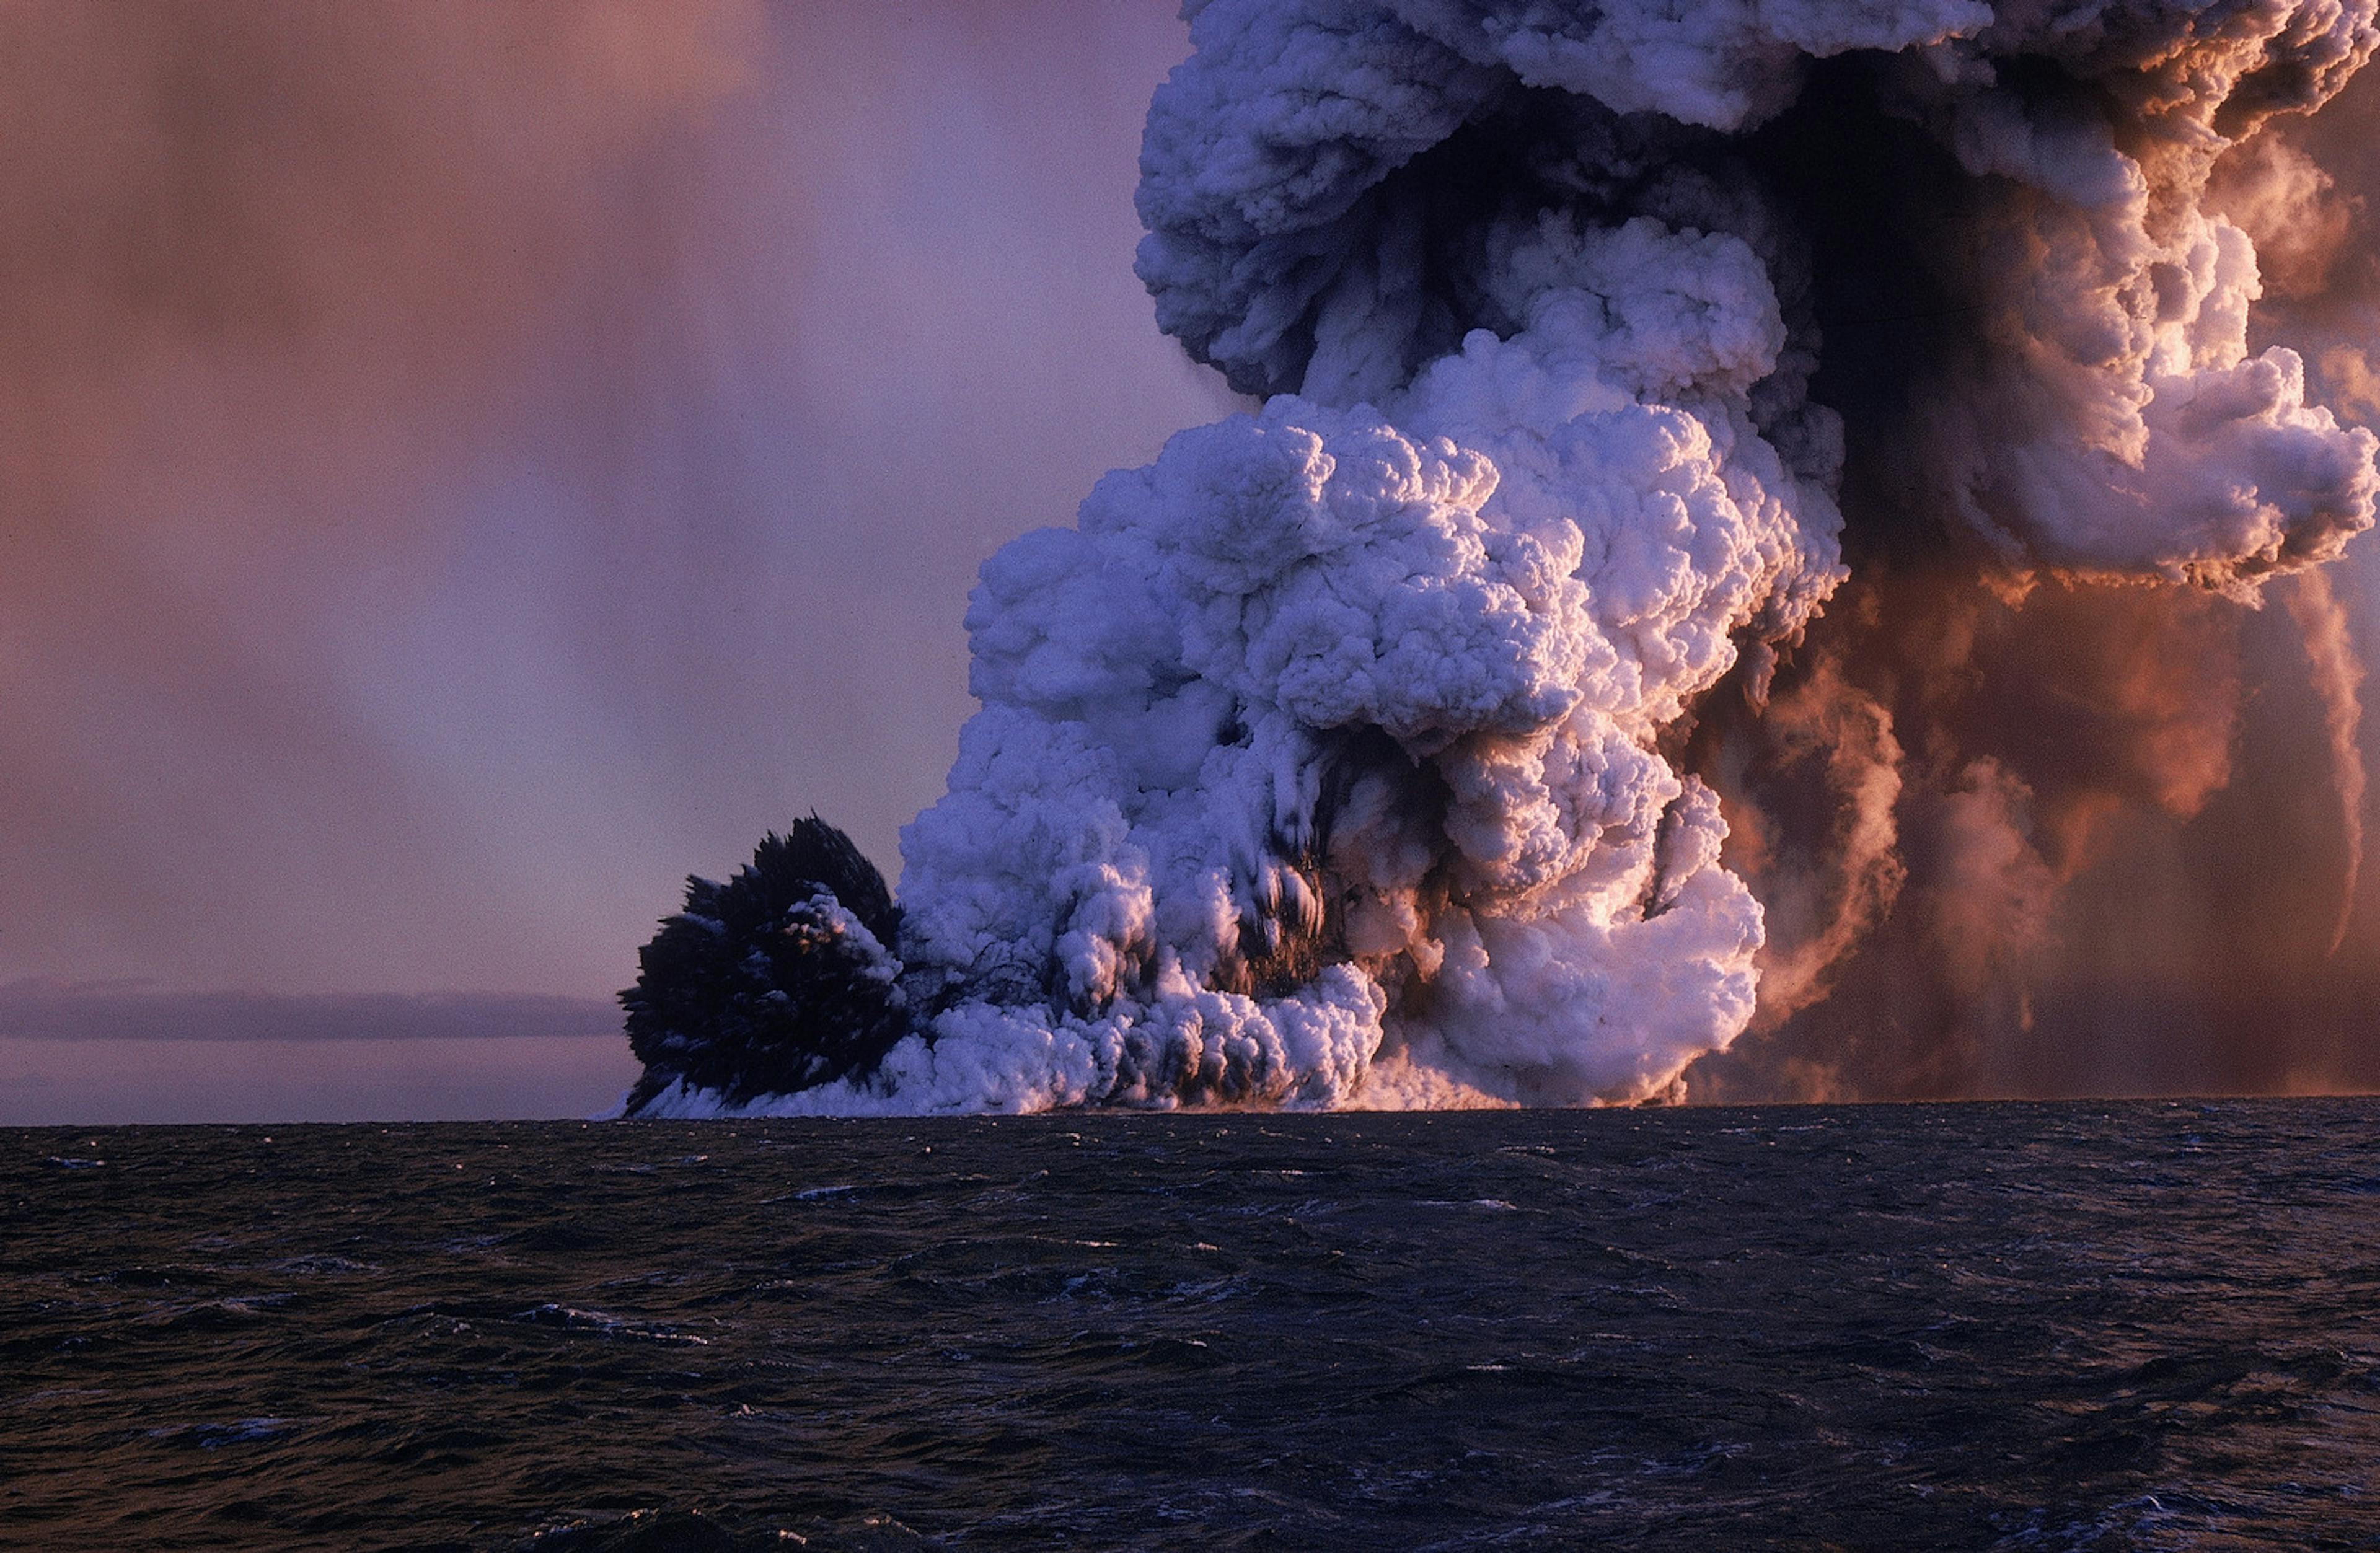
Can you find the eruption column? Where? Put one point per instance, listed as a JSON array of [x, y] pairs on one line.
[[1344, 754]]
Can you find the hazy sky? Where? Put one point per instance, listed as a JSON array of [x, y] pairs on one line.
[[462, 468]]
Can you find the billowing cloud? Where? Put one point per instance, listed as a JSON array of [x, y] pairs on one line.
[[1375, 747]]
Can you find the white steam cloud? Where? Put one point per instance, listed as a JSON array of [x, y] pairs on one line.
[[1336, 757]]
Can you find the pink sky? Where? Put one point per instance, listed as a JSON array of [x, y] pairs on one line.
[[470, 468]]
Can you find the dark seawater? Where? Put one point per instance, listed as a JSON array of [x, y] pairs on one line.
[[2128, 1326]]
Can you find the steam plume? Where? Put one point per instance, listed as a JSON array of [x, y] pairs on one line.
[[1365, 748], [2338, 678]]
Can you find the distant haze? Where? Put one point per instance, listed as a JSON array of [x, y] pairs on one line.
[[466, 467]]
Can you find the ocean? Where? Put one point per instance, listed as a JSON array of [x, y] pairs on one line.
[[2105, 1325]]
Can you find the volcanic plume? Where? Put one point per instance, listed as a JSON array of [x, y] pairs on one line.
[[1437, 732]]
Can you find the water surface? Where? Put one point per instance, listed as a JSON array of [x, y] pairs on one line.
[[2094, 1327]]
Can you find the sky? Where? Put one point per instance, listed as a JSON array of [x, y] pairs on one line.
[[463, 469]]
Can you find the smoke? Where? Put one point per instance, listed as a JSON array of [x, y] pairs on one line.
[[2338, 678], [1821, 899], [1381, 746], [2138, 898]]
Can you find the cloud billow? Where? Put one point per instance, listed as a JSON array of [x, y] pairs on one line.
[[1365, 748]]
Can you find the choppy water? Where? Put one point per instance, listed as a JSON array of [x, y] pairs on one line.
[[2139, 1326]]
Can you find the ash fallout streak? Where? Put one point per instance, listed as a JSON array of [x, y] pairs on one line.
[[1436, 733]]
